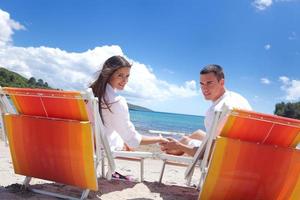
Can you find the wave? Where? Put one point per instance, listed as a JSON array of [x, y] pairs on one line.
[[167, 133]]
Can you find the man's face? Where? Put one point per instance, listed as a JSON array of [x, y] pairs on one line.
[[211, 87]]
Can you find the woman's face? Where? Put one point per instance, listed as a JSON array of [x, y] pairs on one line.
[[120, 78]]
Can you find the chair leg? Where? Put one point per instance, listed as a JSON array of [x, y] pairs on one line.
[[201, 180], [5, 139], [189, 179], [109, 174], [103, 167], [61, 196], [162, 171], [85, 194], [142, 171], [26, 182]]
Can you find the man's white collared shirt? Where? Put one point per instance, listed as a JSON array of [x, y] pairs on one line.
[[230, 99]]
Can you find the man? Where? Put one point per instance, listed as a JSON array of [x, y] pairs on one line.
[[212, 85]]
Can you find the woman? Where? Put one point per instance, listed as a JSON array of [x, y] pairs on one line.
[[114, 109]]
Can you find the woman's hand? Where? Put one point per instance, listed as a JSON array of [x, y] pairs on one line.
[[162, 140], [172, 146]]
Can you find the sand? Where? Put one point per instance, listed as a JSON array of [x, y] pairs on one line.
[[173, 186]]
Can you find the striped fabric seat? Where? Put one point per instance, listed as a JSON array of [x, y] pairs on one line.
[[254, 157], [48, 103], [51, 136], [261, 128], [56, 150]]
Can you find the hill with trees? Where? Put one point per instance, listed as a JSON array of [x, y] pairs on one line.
[[12, 79]]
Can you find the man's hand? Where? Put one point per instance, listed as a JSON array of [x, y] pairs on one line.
[[171, 143]]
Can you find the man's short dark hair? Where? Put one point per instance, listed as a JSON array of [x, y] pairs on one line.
[[216, 69]]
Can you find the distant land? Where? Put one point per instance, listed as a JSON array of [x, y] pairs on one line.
[[12, 79], [139, 108]]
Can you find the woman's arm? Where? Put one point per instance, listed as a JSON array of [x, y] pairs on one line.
[[121, 123], [152, 139]]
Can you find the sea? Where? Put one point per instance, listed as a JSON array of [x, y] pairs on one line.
[[167, 124]]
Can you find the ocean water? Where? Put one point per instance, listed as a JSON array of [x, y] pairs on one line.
[[166, 123]]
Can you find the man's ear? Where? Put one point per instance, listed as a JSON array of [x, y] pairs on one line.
[[222, 81]]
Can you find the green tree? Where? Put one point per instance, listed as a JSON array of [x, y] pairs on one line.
[[31, 81], [11, 78], [289, 109], [40, 82], [279, 109]]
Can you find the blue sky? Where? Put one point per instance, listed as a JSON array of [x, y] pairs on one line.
[[168, 41]]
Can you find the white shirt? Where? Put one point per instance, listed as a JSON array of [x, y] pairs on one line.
[[117, 124], [230, 99]]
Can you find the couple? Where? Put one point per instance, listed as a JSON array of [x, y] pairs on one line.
[[114, 112]]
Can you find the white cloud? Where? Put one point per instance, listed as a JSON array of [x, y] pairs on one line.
[[291, 88], [267, 47], [262, 4], [168, 71], [285, 0], [69, 70], [284, 79], [61, 69], [265, 81], [143, 84], [7, 27]]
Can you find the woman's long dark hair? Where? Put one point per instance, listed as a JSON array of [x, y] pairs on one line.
[[111, 65]]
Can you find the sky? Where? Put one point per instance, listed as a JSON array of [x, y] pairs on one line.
[[65, 42]]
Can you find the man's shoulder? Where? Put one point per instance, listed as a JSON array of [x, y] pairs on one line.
[[232, 94], [234, 99]]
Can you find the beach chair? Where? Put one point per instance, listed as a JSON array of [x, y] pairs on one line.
[[173, 160], [51, 137], [111, 155], [183, 161], [251, 155]]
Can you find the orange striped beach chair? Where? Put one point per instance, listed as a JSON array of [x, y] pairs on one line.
[[254, 156], [52, 136]]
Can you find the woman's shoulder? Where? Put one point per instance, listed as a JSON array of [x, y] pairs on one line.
[[120, 104], [121, 100]]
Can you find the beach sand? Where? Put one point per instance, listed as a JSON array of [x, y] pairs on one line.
[[173, 187]]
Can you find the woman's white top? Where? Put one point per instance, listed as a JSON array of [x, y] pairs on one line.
[[117, 124], [230, 99]]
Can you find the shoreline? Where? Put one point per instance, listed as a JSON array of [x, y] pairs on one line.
[[173, 187]]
